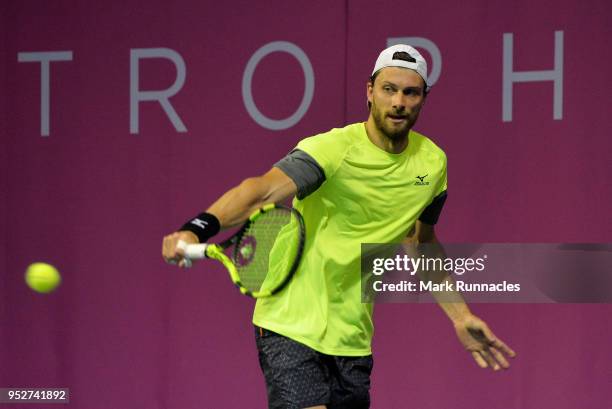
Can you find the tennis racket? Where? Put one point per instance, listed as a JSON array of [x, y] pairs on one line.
[[263, 255]]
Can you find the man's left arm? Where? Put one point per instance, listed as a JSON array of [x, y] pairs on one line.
[[473, 333]]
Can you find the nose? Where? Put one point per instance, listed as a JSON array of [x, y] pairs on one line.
[[398, 101]]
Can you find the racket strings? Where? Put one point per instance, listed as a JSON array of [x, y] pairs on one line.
[[265, 253]]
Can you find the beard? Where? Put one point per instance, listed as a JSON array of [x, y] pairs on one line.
[[388, 128]]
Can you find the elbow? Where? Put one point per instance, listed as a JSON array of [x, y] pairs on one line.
[[429, 239], [254, 190], [273, 187]]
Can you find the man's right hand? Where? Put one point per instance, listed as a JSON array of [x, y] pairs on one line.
[[170, 252]]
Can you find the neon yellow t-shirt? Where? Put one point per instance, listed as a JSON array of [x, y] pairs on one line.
[[369, 196]]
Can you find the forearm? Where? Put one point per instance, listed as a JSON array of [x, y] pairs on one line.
[[237, 204], [452, 303], [450, 300]]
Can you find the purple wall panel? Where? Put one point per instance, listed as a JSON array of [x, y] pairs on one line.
[[3, 182], [126, 331], [532, 179], [534, 170]]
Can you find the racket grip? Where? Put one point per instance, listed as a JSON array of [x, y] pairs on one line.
[[193, 251]]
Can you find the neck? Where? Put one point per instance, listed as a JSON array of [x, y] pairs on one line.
[[383, 141]]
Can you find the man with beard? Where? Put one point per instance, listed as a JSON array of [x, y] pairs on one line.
[[372, 182]]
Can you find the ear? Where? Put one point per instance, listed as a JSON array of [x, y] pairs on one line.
[[369, 91]]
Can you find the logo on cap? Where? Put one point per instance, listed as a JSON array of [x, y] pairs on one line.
[[404, 56]]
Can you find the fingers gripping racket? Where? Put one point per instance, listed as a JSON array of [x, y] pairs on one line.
[[263, 255]]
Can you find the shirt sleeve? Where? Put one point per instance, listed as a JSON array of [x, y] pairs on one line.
[[432, 212], [304, 170], [327, 149]]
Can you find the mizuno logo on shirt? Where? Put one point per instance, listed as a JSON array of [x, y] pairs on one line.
[[421, 181]]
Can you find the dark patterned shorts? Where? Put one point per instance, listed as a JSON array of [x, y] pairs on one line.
[[297, 376]]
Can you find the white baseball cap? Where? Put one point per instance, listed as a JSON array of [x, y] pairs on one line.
[[402, 55]]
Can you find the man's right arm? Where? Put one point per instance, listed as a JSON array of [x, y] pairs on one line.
[[236, 205]]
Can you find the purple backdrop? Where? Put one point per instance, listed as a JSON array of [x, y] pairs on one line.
[[127, 331]]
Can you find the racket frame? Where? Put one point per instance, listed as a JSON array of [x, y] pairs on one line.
[[216, 251]]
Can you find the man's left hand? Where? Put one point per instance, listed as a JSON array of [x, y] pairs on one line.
[[487, 350]]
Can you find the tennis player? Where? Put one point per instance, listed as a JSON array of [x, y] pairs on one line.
[[373, 182]]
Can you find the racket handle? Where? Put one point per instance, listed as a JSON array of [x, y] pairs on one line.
[[193, 251]]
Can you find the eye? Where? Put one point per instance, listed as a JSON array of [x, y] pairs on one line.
[[387, 88], [412, 92]]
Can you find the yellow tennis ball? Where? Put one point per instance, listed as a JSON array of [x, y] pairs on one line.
[[42, 277]]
